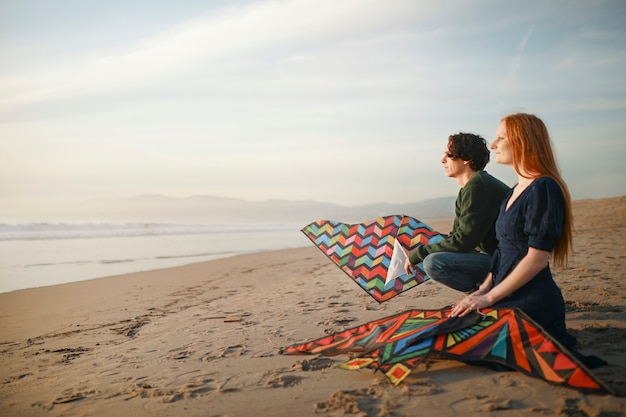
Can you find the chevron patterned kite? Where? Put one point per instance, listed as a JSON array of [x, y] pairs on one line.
[[396, 344], [373, 253]]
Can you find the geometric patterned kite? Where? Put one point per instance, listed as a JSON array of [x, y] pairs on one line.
[[373, 253], [395, 345]]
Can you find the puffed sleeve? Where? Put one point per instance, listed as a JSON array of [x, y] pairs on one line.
[[545, 212]]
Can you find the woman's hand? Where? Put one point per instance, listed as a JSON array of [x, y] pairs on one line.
[[472, 302]]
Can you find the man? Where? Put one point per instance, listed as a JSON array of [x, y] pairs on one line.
[[462, 260]]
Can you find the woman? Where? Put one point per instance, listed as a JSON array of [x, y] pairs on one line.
[[534, 224]]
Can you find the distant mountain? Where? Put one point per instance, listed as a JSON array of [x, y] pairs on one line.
[[207, 209]]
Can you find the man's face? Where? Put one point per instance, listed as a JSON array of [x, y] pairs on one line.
[[452, 166]]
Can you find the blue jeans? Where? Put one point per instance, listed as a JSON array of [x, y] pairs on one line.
[[460, 271]]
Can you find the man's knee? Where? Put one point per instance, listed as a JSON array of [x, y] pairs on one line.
[[432, 266]]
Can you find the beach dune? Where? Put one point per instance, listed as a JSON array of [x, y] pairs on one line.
[[204, 340]]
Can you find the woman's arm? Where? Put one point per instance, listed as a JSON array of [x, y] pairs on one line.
[[485, 286], [530, 265]]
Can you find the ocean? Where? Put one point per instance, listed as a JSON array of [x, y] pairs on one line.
[[43, 254]]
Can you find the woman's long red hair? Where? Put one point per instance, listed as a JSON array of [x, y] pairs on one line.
[[533, 157]]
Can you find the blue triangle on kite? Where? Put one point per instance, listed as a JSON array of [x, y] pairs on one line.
[[500, 347]]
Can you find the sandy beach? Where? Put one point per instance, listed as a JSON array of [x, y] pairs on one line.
[[204, 340]]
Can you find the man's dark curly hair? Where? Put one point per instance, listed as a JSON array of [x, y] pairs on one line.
[[469, 147]]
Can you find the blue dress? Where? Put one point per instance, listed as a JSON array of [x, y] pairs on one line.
[[535, 220]]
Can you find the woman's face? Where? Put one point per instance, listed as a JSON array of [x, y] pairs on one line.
[[501, 146]]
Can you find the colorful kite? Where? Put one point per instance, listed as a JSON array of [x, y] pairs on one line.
[[507, 337], [373, 253]]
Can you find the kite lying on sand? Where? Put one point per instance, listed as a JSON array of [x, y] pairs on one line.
[[373, 253], [506, 337]]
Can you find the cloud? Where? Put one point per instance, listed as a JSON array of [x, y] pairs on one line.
[[303, 98], [517, 60], [206, 49]]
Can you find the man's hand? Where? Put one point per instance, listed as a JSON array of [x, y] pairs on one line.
[[408, 268]]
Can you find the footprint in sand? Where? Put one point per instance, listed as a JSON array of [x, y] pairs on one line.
[[194, 388], [233, 351], [421, 388], [360, 402], [282, 381], [15, 378], [67, 396], [72, 396], [337, 321], [316, 364], [183, 354], [483, 403], [229, 352]]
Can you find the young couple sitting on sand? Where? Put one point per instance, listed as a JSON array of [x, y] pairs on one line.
[[502, 239]]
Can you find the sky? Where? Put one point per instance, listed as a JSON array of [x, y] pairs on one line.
[[340, 101]]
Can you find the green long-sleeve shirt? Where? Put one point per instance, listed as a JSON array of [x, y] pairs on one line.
[[476, 210]]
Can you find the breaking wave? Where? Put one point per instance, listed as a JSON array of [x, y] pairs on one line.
[[46, 231]]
